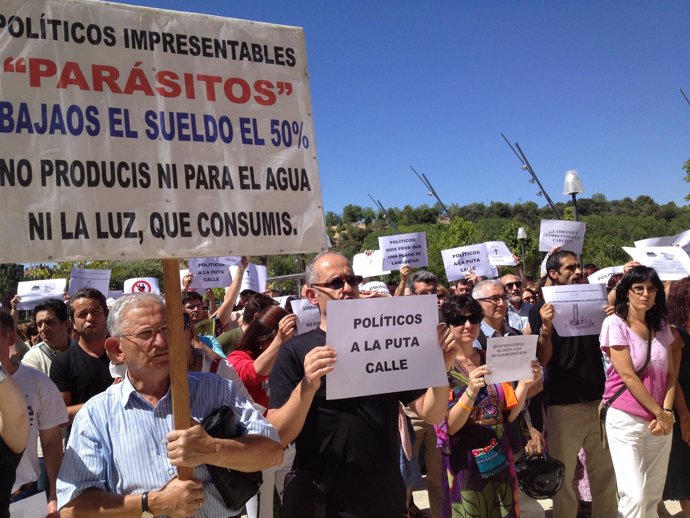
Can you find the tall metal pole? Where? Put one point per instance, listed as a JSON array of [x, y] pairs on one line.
[[432, 191], [535, 179], [386, 214]]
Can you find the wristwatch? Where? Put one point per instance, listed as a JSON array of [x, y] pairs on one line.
[[145, 511], [3, 373]]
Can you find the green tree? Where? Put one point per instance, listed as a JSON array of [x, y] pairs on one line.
[[10, 275], [686, 167]]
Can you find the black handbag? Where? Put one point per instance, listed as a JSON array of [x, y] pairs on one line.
[[236, 487]]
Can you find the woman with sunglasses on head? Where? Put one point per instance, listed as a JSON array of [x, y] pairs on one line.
[[475, 439], [253, 360], [640, 387]]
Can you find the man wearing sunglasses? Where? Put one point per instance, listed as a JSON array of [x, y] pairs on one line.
[[518, 310], [347, 461]]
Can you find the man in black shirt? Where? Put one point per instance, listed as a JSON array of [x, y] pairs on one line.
[[574, 384], [82, 371], [349, 447]]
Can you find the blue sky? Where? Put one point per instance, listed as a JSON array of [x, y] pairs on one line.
[[583, 85]]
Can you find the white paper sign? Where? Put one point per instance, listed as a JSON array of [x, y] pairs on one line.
[[509, 358], [404, 249], [459, 261], [141, 285], [569, 235], [370, 265], [602, 276], [33, 293], [254, 278], [578, 308], [499, 254], [209, 272], [670, 262], [384, 345], [86, 278], [134, 133], [32, 507], [308, 315], [681, 239]]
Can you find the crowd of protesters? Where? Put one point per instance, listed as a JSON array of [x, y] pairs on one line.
[[85, 395]]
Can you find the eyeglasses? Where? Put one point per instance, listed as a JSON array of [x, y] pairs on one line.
[[494, 300], [511, 285], [146, 336], [639, 290], [461, 320], [528, 299], [339, 282]]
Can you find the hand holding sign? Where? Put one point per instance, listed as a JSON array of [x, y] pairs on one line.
[[317, 363]]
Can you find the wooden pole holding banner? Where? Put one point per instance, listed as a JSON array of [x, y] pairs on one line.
[[177, 351]]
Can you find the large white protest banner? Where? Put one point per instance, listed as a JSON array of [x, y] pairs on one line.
[[670, 262], [369, 265], [404, 249], [33, 293], [88, 278], [130, 132], [458, 261], [510, 358], [569, 235], [578, 308], [384, 345]]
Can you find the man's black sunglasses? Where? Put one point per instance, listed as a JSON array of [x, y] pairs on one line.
[[460, 320], [339, 282]]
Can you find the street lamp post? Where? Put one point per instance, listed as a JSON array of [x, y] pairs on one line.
[[572, 186], [522, 237]]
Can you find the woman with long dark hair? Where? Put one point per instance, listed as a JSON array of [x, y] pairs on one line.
[[478, 477], [640, 388], [253, 360], [678, 474]]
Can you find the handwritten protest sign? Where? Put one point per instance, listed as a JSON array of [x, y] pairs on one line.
[[33, 293], [510, 358], [86, 278], [308, 315], [578, 308], [459, 261], [569, 235], [141, 285], [369, 265], [404, 249], [384, 345], [133, 133], [670, 262]]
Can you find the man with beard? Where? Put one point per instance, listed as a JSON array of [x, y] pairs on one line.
[[574, 384], [82, 371]]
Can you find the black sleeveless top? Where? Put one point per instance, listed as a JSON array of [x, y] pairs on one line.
[[8, 472]]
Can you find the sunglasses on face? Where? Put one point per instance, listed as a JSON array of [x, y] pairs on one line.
[[339, 282], [461, 320], [511, 285]]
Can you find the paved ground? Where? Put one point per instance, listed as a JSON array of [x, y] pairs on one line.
[[422, 501]]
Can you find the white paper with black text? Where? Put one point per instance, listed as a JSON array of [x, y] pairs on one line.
[[578, 308], [384, 345]]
